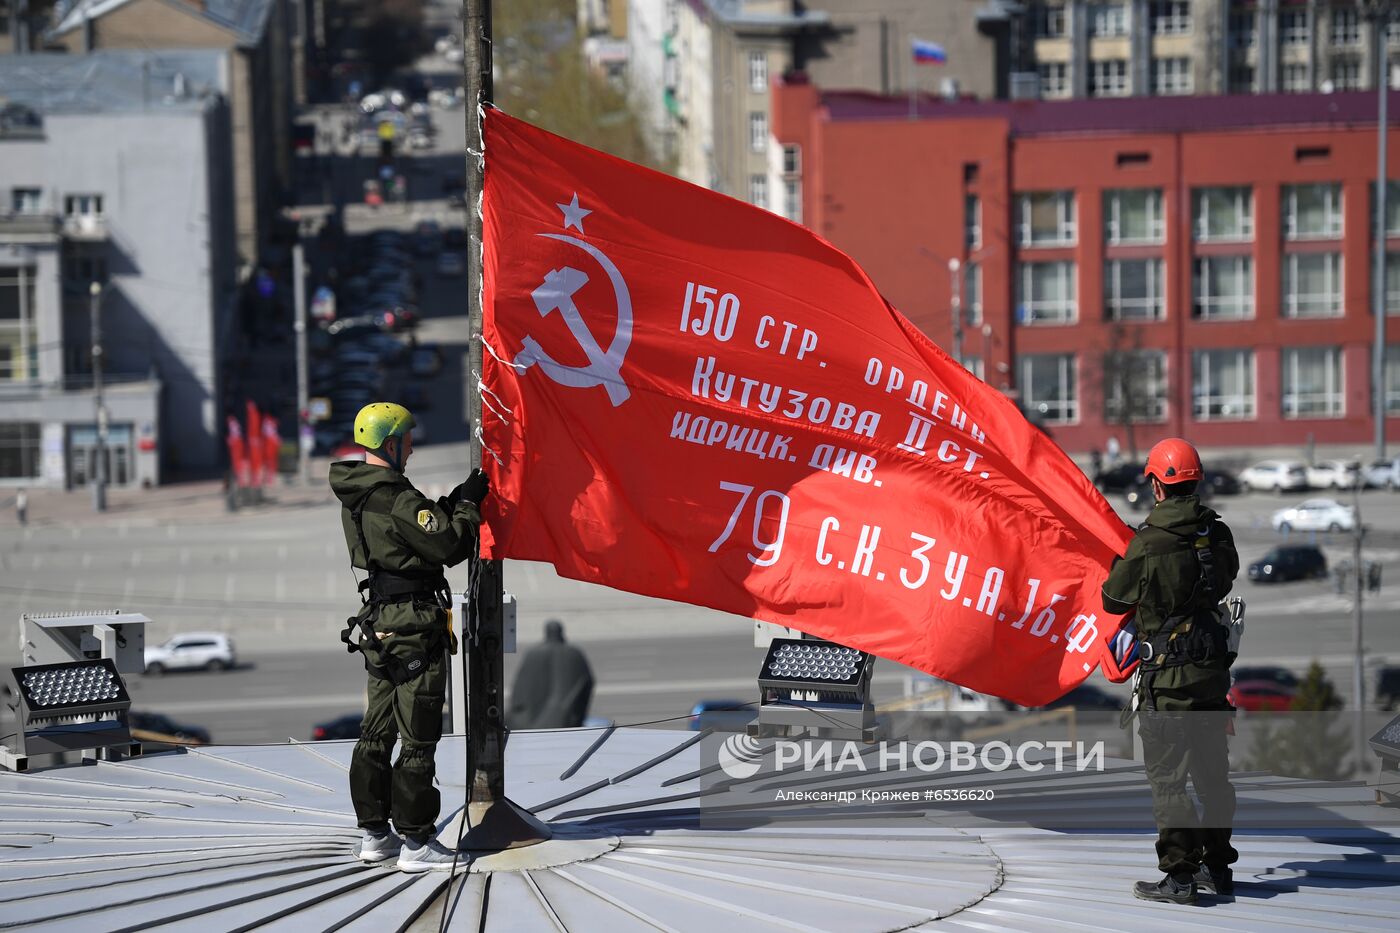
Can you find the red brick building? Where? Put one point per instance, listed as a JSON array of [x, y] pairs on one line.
[[1199, 266]]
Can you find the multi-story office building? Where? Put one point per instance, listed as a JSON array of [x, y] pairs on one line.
[[1123, 48], [1200, 267], [255, 34], [704, 71], [114, 177]]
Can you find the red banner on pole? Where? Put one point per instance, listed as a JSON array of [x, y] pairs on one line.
[[271, 448], [692, 398], [237, 451], [255, 458]]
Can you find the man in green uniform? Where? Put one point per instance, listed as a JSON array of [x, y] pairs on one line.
[[404, 540], [1178, 567]]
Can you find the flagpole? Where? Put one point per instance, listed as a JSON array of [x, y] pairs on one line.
[[493, 823]]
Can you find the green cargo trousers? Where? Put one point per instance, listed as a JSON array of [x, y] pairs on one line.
[[412, 713], [1183, 745]]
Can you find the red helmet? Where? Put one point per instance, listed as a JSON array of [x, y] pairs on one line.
[[1173, 461]]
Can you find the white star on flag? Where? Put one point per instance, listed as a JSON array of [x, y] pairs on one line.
[[573, 214]]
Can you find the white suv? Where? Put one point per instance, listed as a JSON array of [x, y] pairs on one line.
[[208, 650]]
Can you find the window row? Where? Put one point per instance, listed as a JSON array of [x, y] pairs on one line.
[[1108, 77], [1219, 214], [31, 201], [1222, 289], [1135, 388]]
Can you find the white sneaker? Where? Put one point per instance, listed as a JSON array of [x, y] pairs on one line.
[[433, 856], [372, 848]]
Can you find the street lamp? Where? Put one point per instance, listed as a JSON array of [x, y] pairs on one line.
[[955, 279], [1378, 13], [99, 477]]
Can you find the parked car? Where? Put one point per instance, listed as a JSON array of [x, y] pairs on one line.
[[1222, 482], [1383, 474], [1276, 475], [1334, 474], [427, 237], [1260, 696], [451, 264], [1087, 697], [192, 651], [161, 724], [1118, 478], [1289, 562], [1388, 688], [1272, 673], [722, 715], [1316, 515], [345, 727]]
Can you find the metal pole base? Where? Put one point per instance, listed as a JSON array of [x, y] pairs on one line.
[[495, 827]]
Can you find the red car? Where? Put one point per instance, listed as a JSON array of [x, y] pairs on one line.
[[1260, 696]]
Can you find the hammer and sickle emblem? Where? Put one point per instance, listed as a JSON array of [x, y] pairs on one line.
[[557, 294]]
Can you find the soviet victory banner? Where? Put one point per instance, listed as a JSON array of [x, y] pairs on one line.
[[692, 398]]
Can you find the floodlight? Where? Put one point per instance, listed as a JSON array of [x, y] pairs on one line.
[[73, 706], [816, 686]]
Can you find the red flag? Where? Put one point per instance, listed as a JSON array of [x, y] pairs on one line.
[[237, 450], [271, 448], [695, 399], [255, 459]]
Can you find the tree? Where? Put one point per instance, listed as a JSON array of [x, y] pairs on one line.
[[1305, 744], [1131, 381], [543, 77]]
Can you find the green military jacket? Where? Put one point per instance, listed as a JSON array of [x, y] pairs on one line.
[[1157, 577], [406, 533]]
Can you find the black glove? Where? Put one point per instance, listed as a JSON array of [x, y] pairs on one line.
[[476, 487]]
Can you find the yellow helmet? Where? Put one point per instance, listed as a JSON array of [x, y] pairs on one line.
[[380, 420]]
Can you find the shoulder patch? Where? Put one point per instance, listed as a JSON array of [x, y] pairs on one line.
[[427, 520]]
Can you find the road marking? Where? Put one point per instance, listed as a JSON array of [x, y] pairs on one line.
[[136, 558], [170, 531], [228, 587], [330, 584], [87, 559], [179, 588], [280, 586], [36, 561], [184, 557], [281, 552], [127, 587], [233, 554]]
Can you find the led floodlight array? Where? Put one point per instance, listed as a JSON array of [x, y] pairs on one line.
[[73, 706], [810, 684]]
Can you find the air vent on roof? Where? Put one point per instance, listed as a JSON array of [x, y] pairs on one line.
[[1312, 153], [1133, 159]]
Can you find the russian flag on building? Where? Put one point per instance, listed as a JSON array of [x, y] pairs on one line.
[[929, 53]]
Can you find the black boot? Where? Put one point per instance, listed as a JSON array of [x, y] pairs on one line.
[[1169, 890], [1214, 880]]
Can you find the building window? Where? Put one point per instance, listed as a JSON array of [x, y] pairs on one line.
[[19, 333], [1045, 293], [1049, 20], [1224, 287], [1296, 79], [1171, 17], [1312, 382], [1223, 385], [1135, 386], [82, 267], [1345, 73], [1312, 211], [792, 199], [1244, 26], [1107, 20], [1108, 78], [758, 71], [1392, 208], [1242, 78], [1050, 389], [1047, 218], [26, 200], [82, 205], [1392, 378], [1133, 290], [758, 131], [792, 160], [1134, 215], [19, 450], [1293, 26], [974, 365], [1346, 26], [972, 221], [1172, 76], [758, 190], [1392, 284], [972, 294], [1312, 285], [1392, 31], [1224, 214], [1054, 79]]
